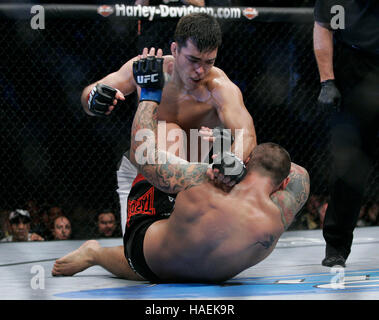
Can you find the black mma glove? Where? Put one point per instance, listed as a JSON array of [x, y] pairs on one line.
[[100, 98], [148, 74], [330, 97], [230, 166]]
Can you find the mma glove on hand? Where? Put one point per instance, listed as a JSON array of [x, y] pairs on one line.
[[230, 166], [330, 97], [100, 98], [148, 74]]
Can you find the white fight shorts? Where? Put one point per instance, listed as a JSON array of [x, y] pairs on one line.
[[126, 174]]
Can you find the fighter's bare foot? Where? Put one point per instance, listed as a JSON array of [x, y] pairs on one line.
[[77, 260]]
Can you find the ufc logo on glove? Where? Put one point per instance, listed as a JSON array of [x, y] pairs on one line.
[[148, 74], [147, 78]]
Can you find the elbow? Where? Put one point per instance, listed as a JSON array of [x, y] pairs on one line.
[[304, 174], [251, 143]]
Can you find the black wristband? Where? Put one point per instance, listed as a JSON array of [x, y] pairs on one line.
[[327, 82]]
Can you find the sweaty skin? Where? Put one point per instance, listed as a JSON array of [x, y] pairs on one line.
[[198, 94], [212, 235]]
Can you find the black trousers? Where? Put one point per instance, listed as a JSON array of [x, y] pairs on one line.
[[354, 133]]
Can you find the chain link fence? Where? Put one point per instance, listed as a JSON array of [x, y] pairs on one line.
[[55, 154]]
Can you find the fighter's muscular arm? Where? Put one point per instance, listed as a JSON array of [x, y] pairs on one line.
[[164, 170], [234, 115], [293, 197], [121, 80]]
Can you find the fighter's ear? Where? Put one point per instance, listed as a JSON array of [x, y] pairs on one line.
[[284, 184], [174, 49]]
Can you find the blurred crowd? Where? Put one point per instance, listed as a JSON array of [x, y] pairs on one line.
[[34, 222], [313, 213]]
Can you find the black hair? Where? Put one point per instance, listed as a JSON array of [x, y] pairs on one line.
[[202, 29], [104, 210]]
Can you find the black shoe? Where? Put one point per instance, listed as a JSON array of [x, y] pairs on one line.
[[334, 260]]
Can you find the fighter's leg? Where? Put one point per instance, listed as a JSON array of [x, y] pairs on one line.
[[91, 254], [112, 258], [171, 139]]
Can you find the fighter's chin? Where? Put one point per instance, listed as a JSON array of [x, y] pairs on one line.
[[193, 84]]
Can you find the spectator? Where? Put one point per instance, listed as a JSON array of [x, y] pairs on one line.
[[37, 224], [62, 228], [4, 224], [32, 207], [313, 215], [19, 221], [369, 215], [45, 225], [53, 213], [106, 224], [42, 227], [316, 208]]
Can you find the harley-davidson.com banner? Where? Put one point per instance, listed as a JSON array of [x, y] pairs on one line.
[[164, 11]]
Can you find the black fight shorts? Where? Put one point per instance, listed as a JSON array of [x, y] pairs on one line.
[[146, 205]]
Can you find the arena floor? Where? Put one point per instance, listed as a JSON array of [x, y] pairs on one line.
[[292, 272]]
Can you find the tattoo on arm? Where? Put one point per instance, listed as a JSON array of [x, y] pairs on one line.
[[171, 175], [293, 198]]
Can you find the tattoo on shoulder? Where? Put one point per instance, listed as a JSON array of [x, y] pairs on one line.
[[293, 198], [299, 184]]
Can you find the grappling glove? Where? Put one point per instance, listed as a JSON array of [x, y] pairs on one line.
[[329, 97], [100, 98], [230, 166], [148, 74]]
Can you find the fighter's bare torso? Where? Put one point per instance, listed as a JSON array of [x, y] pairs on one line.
[[213, 235], [208, 228], [197, 95], [204, 228], [190, 109]]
